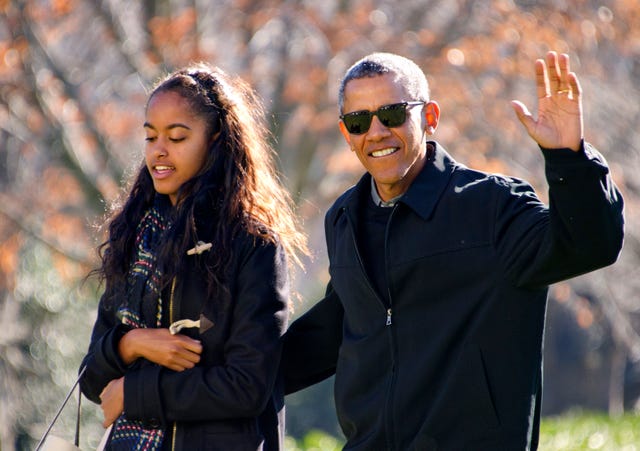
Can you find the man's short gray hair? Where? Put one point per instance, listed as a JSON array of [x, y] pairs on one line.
[[406, 72]]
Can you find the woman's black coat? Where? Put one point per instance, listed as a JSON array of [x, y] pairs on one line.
[[233, 399]]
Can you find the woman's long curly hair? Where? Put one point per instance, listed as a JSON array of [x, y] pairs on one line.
[[238, 181]]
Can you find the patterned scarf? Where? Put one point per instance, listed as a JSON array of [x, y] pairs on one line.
[[142, 308]]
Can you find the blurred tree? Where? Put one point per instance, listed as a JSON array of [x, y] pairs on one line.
[[73, 76]]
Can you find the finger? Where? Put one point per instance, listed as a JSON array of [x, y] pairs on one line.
[[524, 116], [542, 81], [574, 84], [523, 113], [187, 356], [182, 364], [181, 356], [189, 343], [110, 419], [105, 391], [554, 72], [185, 348], [179, 351], [107, 418], [564, 65], [565, 70]]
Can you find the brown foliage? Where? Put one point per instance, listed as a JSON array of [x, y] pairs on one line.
[[73, 76]]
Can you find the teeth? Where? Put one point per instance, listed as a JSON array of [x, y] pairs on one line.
[[164, 168], [383, 152]]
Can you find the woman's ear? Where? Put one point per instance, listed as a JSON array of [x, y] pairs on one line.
[[345, 133], [432, 116]]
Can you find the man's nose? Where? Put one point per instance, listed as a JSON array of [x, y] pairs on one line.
[[377, 128]]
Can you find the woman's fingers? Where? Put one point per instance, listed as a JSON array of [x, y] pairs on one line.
[[161, 347]]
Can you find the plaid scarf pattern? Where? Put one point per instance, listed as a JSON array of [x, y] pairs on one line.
[[142, 308]]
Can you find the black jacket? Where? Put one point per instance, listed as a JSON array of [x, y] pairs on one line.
[[233, 399], [453, 362]]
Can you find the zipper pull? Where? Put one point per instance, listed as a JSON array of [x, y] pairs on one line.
[[388, 317]]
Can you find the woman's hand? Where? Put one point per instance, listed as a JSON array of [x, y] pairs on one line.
[[176, 352], [112, 401], [559, 123]]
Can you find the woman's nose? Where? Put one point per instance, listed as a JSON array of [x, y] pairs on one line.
[[157, 147]]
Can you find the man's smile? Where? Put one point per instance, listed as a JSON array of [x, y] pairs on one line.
[[383, 152]]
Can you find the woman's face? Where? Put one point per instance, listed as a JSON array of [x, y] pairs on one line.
[[177, 142]]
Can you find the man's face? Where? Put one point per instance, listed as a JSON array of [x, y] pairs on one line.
[[393, 156]]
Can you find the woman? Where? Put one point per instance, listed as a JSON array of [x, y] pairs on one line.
[[185, 349]]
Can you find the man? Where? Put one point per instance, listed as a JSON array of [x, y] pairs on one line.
[[434, 316]]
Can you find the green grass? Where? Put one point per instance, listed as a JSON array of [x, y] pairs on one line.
[[314, 441], [590, 431], [574, 431]]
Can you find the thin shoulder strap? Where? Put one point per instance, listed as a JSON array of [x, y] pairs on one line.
[[64, 403], [77, 440]]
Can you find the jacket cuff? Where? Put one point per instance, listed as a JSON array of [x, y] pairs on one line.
[[109, 357], [142, 400], [562, 165], [567, 156]]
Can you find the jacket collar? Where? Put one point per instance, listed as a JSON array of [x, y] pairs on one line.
[[425, 191]]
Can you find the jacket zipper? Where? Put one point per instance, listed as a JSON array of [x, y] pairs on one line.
[[392, 384], [171, 319], [388, 316], [387, 309]]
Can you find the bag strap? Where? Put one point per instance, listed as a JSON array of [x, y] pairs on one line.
[[77, 440], [64, 403]]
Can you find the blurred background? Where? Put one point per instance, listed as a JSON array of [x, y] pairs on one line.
[[73, 81]]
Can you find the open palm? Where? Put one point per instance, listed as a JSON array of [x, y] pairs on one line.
[[559, 122]]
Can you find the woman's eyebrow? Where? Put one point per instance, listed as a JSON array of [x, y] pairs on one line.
[[169, 127]]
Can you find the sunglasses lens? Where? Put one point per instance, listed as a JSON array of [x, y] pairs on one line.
[[393, 115], [358, 122], [390, 116]]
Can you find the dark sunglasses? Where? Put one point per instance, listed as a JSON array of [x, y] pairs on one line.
[[394, 115]]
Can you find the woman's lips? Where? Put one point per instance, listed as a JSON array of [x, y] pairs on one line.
[[161, 171]]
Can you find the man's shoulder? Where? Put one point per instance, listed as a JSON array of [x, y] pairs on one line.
[[442, 168], [482, 187], [340, 202], [462, 175]]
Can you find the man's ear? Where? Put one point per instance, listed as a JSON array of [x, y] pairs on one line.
[[432, 116], [345, 133]]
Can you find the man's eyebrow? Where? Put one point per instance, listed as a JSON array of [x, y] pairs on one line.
[[169, 127]]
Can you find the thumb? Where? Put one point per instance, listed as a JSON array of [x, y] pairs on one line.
[[523, 114], [521, 110]]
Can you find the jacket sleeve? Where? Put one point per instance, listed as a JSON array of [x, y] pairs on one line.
[[581, 230], [312, 343], [242, 385], [103, 361]]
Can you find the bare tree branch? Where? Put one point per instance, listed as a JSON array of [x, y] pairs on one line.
[[11, 210], [109, 164], [135, 58]]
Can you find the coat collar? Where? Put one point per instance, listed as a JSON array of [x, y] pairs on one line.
[[425, 191]]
